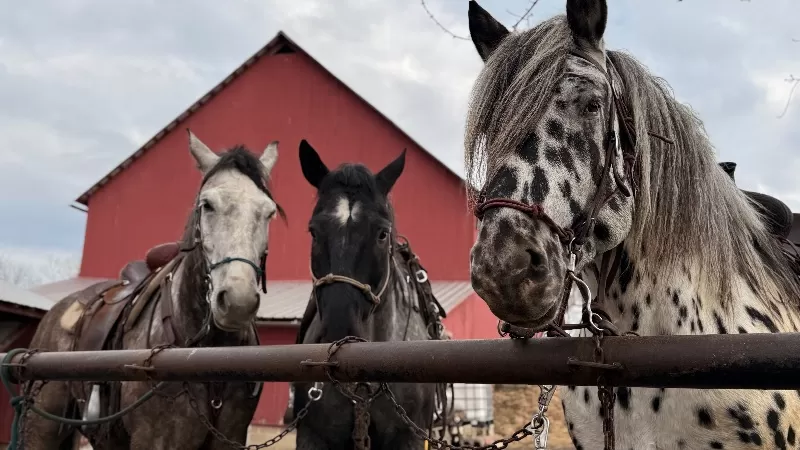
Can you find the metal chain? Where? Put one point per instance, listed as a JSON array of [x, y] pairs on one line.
[[361, 419], [233, 444], [606, 396], [540, 424], [418, 431], [499, 444]]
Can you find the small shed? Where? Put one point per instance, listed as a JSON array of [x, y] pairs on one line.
[[20, 312]]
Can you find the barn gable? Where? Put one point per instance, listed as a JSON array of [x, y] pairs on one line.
[[280, 93], [280, 44]]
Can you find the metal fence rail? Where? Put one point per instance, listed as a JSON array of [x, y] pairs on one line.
[[749, 361]]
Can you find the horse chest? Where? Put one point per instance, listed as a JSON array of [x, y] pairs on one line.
[[684, 419]]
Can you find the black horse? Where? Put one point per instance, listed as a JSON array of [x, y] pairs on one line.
[[369, 285]]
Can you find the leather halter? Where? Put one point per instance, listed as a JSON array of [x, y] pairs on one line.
[[197, 239], [576, 235], [365, 288]]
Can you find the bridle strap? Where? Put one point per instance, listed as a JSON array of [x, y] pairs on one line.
[[259, 271], [197, 239], [365, 288]]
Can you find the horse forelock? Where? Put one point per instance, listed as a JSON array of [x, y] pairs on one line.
[[511, 94]]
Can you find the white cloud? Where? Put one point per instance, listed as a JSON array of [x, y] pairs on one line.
[[84, 83]]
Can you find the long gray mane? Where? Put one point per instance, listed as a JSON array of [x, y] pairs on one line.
[[687, 210]]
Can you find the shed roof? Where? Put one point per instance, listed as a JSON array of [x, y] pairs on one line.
[[279, 43], [285, 301], [12, 294]]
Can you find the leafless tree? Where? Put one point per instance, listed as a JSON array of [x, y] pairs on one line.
[[27, 273]]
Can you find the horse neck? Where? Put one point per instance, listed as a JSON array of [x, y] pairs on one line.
[[670, 301], [395, 319]]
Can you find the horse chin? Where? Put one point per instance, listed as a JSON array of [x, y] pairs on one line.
[[537, 322], [227, 328]]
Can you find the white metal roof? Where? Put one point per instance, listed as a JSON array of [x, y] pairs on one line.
[[285, 300], [18, 296]]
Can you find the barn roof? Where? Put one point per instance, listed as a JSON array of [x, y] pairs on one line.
[[280, 43], [285, 301], [26, 299]]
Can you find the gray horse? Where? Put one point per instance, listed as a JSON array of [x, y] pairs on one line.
[[375, 296], [205, 295]]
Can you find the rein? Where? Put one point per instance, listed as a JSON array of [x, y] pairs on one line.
[[595, 319]]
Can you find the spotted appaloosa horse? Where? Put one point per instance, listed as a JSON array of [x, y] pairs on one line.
[[695, 256], [230, 219], [353, 237]]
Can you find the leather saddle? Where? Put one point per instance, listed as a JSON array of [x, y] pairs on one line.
[[105, 302], [777, 215]]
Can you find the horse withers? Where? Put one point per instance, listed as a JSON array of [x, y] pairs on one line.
[[591, 166], [366, 284], [201, 292]]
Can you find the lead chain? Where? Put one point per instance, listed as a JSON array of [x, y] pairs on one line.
[[540, 424]]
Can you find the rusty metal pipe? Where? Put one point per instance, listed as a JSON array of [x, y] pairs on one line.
[[768, 361]]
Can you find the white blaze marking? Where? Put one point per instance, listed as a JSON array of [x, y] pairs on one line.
[[342, 211]]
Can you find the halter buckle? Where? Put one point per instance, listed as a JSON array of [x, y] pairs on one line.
[[422, 276], [315, 393]]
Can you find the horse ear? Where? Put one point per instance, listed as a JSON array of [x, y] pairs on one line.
[[313, 168], [205, 158], [729, 168], [485, 30], [587, 21], [269, 157], [388, 176]]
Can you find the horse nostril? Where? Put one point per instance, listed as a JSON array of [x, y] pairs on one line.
[[537, 259], [538, 264], [222, 301], [256, 304]]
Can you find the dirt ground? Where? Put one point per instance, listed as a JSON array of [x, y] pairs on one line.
[[509, 402], [259, 434]]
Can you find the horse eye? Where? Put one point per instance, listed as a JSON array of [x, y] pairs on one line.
[[383, 235], [593, 107], [207, 207]]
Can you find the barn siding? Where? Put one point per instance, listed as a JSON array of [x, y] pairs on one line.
[[471, 319], [286, 97]]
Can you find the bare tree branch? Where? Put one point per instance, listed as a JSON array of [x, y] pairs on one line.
[[520, 17], [795, 82], [433, 18], [526, 15]]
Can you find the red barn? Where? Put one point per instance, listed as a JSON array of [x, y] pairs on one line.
[[282, 93]]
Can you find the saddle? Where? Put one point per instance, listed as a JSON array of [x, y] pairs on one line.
[[777, 215], [105, 302]]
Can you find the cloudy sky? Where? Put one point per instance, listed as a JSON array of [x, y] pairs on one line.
[[83, 83]]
